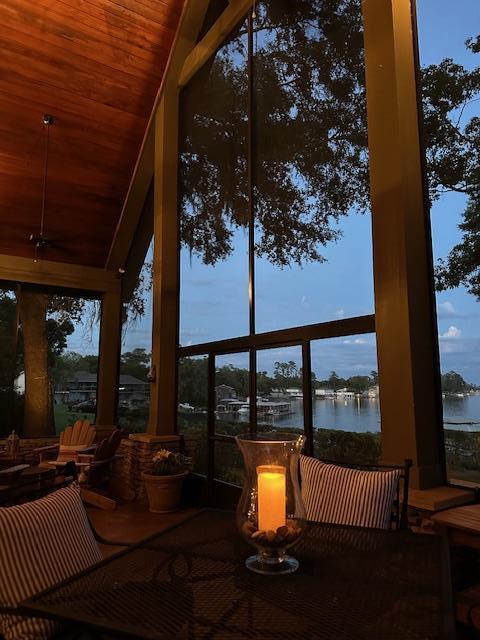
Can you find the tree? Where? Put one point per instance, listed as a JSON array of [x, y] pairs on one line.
[[453, 160], [359, 384], [135, 363], [335, 382], [265, 383], [9, 368], [34, 346], [285, 375], [452, 382], [192, 382], [233, 377], [311, 168]]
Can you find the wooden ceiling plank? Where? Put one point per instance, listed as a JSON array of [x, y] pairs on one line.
[[100, 177], [162, 15], [79, 78], [138, 32], [30, 19], [109, 165], [61, 101]]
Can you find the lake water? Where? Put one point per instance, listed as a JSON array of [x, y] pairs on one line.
[[363, 414]]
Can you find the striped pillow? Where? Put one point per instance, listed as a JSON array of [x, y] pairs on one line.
[[347, 496], [41, 543]]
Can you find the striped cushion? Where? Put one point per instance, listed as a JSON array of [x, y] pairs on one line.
[[347, 496], [41, 543]]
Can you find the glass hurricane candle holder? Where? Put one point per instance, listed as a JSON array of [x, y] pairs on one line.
[[270, 513]]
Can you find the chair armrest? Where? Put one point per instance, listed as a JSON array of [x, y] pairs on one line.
[[50, 447], [85, 457], [90, 450], [43, 452]]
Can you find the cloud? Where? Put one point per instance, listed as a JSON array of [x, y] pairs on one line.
[[451, 332], [305, 303], [356, 341], [193, 336], [340, 313], [446, 308], [202, 282]]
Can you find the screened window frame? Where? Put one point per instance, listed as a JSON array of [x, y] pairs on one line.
[[253, 342], [403, 270]]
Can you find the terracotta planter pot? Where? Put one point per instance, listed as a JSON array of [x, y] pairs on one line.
[[163, 492]]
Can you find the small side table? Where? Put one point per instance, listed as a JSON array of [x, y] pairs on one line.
[[462, 526]]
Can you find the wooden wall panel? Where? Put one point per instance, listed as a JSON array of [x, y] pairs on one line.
[[97, 66]]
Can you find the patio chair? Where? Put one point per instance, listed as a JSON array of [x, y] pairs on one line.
[[76, 439], [356, 494], [55, 530], [95, 470]]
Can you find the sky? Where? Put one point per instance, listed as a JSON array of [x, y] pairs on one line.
[[214, 300]]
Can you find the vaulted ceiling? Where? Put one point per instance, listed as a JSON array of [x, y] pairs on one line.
[[96, 65]]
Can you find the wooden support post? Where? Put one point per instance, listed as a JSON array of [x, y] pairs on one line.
[[410, 397], [165, 260], [109, 358]]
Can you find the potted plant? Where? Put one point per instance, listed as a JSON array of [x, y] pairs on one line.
[[164, 482]]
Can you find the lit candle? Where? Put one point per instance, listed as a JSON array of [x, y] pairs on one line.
[[271, 497]]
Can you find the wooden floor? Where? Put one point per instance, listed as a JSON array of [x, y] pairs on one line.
[[131, 522]]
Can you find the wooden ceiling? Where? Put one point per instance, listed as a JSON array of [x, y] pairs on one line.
[[96, 65]]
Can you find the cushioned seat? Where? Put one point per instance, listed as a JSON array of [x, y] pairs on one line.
[[341, 495], [41, 543]]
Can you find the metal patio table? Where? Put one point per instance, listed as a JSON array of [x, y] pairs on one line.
[[190, 582]]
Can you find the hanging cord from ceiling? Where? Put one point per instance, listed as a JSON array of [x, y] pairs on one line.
[[40, 241], [48, 120]]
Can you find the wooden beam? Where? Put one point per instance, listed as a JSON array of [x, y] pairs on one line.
[[410, 395], [165, 263], [109, 358], [139, 249], [225, 24], [133, 205], [57, 274]]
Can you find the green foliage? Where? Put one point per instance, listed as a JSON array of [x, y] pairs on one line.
[[285, 374], [264, 383], [67, 364], [57, 332], [8, 356], [453, 160], [167, 463], [192, 382], [462, 266], [359, 384], [135, 363], [463, 454], [309, 95], [347, 446], [316, 148], [233, 377], [453, 382]]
